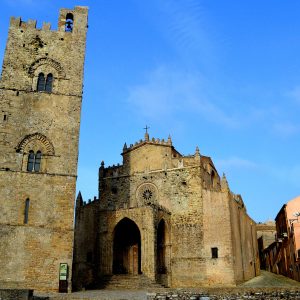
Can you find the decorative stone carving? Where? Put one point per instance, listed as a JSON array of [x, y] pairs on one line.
[[147, 193]]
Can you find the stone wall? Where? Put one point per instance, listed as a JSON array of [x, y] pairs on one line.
[[16, 294], [244, 241], [266, 235], [266, 231], [184, 212], [86, 248]]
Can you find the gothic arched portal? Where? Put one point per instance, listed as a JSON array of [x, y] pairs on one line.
[[161, 248], [127, 248]]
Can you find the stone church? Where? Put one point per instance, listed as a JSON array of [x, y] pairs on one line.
[[160, 215], [167, 217]]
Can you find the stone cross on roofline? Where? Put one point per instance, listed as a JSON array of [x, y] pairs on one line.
[[146, 133]]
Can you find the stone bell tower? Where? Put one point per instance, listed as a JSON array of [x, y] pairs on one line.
[[40, 105]]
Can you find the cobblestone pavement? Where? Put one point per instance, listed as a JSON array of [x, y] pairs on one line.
[[100, 295], [270, 280], [265, 280]]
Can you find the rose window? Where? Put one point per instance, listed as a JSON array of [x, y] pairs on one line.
[[146, 193]]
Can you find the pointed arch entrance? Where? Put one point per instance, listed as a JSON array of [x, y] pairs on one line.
[[161, 248], [127, 248]]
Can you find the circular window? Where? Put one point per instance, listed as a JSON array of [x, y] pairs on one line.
[[146, 193]]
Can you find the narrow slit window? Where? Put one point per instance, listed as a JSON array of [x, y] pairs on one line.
[[214, 252], [49, 81], [213, 178], [41, 82], [26, 211]]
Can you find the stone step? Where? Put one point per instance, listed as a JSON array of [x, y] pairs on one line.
[[129, 282]]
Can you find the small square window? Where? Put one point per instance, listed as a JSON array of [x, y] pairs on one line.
[[214, 252]]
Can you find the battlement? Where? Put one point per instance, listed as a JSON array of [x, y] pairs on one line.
[[153, 141], [30, 24], [110, 171], [67, 19], [90, 201]]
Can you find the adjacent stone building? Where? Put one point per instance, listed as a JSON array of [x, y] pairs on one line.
[[283, 256], [266, 235], [40, 104], [167, 217]]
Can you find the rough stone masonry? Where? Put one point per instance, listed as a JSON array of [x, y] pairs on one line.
[[40, 100], [167, 217]]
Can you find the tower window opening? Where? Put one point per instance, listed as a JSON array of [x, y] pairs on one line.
[[45, 84], [69, 22], [213, 178], [5, 118], [49, 80], [26, 211], [41, 82], [30, 164], [34, 161], [214, 252], [37, 164]]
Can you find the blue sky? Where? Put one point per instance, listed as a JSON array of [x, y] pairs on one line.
[[223, 75]]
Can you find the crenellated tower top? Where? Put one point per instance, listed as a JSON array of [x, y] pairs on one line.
[[70, 20], [31, 51]]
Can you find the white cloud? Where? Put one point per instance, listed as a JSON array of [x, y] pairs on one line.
[[168, 93], [186, 27], [235, 162]]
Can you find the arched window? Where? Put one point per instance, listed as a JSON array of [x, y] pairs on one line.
[[37, 163], [41, 82], [69, 22], [34, 161], [213, 178], [26, 211], [48, 87], [161, 248], [30, 164], [45, 84]]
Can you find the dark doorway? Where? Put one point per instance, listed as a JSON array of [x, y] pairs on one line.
[[161, 248], [127, 248]]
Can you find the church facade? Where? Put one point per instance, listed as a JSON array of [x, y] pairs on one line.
[[162, 215], [165, 216], [40, 100]]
